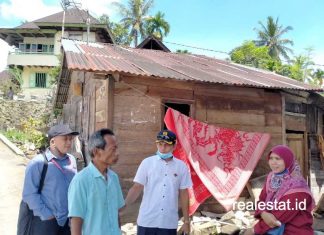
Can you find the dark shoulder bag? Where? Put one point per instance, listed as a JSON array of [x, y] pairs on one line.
[[26, 215]]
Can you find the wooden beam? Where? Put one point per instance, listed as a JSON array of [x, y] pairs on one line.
[[283, 118], [110, 95]]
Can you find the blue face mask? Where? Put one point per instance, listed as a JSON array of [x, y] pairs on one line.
[[164, 155]]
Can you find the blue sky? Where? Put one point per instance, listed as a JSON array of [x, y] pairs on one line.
[[214, 24]]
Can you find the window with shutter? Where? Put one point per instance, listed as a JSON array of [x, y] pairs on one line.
[[40, 80]]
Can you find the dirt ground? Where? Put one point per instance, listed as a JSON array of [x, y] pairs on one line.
[[12, 168]]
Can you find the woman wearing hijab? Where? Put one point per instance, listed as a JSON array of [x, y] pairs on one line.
[[287, 191]]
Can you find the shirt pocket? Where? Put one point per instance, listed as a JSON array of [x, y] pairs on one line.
[[175, 178]]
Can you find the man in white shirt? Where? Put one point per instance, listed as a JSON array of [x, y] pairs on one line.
[[162, 177]]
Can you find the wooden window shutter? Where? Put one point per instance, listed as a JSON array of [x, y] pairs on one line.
[[32, 79], [48, 79]]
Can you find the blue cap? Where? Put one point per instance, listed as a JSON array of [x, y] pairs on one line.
[[166, 136]]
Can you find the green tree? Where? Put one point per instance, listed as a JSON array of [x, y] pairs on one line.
[[270, 35], [16, 73], [179, 51], [135, 16], [249, 54], [119, 31], [300, 69], [318, 76], [157, 26]]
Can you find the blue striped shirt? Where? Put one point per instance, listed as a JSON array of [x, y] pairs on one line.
[[53, 199]]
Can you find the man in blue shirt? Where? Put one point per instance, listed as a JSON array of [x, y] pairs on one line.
[[95, 194], [50, 207]]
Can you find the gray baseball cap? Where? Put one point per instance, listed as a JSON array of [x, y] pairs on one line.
[[60, 129]]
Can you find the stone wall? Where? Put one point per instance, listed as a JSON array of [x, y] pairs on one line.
[[13, 112]]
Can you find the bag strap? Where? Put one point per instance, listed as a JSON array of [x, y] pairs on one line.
[[41, 182]]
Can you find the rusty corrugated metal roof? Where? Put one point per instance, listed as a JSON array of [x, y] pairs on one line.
[[111, 58]]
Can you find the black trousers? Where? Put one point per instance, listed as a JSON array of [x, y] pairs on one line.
[[49, 227], [155, 231]]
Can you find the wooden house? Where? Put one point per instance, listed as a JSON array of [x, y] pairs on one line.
[[128, 89]]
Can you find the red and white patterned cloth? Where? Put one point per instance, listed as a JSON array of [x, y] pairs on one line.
[[220, 160]]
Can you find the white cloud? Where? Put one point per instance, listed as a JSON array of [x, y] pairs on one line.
[[26, 10], [4, 48], [318, 58], [34, 9], [99, 7]]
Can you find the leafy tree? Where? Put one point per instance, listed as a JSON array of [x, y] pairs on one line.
[[120, 32], [249, 54], [16, 74], [270, 35], [158, 26], [55, 71], [135, 16], [104, 19], [318, 76], [300, 69], [179, 51]]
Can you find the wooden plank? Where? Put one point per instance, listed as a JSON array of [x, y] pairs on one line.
[[101, 104], [295, 123], [273, 119], [272, 102], [219, 117], [237, 105], [170, 92], [229, 91], [321, 149], [294, 98], [131, 112], [296, 143], [122, 88], [167, 83], [306, 157], [110, 103], [283, 118]]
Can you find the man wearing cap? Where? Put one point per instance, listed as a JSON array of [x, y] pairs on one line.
[[50, 207], [162, 177]]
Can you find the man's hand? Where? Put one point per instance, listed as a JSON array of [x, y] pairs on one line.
[[186, 228], [270, 219], [50, 218]]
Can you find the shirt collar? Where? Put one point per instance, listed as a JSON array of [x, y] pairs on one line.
[[49, 155], [95, 172]]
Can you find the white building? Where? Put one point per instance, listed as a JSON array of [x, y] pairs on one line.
[[38, 45]]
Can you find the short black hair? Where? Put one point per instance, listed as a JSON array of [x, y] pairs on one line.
[[97, 140]]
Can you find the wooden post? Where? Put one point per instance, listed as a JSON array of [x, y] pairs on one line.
[[110, 103], [283, 124]]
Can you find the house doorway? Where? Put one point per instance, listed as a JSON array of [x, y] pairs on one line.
[[181, 106]]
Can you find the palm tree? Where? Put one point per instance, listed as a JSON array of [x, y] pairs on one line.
[[318, 76], [270, 35], [135, 16], [158, 26], [300, 68]]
